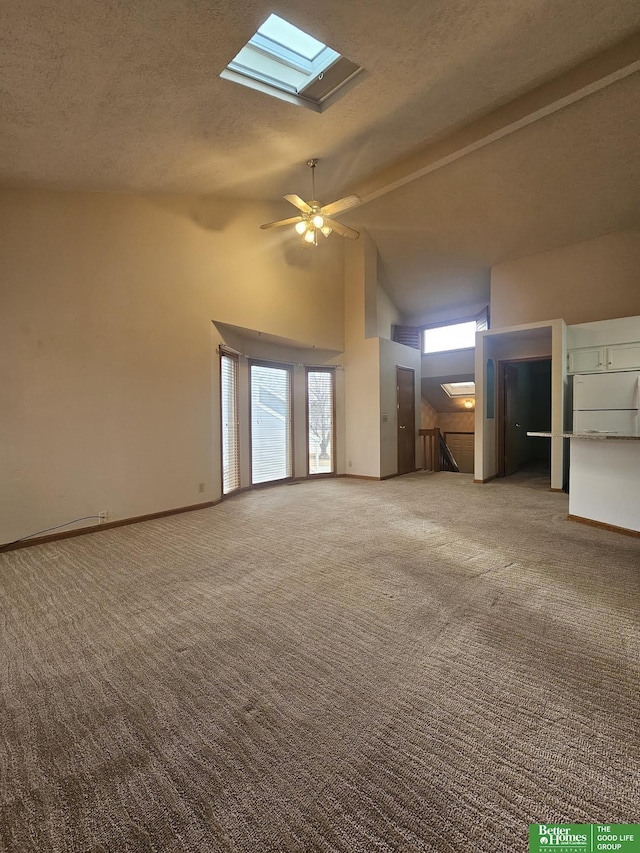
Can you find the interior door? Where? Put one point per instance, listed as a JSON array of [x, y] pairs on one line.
[[406, 405], [511, 425]]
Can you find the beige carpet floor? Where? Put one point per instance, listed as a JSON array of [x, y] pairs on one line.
[[421, 664]]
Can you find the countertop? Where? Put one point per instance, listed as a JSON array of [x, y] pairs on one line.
[[590, 436]]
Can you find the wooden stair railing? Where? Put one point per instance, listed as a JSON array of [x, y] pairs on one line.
[[439, 456], [447, 462]]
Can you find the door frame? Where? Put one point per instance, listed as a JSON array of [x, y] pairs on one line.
[[279, 365], [412, 371], [501, 405], [317, 368], [223, 352]]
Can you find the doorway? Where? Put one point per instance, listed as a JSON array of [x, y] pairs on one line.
[[406, 406], [271, 422], [524, 405]]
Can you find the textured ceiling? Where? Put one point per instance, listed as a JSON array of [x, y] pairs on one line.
[[126, 96]]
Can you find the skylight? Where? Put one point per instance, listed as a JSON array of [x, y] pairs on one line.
[[283, 61], [459, 389], [285, 34]]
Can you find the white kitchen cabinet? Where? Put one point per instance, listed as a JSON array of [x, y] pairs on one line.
[[586, 360], [623, 357], [598, 359]]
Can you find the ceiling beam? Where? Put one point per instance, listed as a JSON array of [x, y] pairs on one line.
[[593, 75]]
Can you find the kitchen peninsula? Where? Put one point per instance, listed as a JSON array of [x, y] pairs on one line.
[[604, 478]]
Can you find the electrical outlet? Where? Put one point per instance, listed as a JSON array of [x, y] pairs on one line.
[[103, 516], [201, 487], [349, 463]]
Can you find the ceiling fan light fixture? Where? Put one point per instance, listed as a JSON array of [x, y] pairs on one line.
[[314, 217]]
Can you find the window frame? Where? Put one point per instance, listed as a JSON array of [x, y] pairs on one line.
[[278, 365], [224, 353], [315, 83], [481, 320], [332, 372]]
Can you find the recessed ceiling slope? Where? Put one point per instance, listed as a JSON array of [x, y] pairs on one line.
[[562, 180]]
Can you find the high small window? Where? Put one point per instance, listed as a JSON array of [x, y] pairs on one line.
[[283, 61], [453, 336]]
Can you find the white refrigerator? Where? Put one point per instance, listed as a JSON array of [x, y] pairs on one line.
[[607, 402]]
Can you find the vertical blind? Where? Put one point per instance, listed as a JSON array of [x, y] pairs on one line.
[[270, 423], [320, 425], [229, 394]]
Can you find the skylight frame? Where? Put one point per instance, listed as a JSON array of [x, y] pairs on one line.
[[456, 390], [311, 82], [280, 52]]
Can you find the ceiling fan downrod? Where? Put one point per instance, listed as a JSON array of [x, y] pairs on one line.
[[312, 165]]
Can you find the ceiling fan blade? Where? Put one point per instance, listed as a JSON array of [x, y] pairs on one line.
[[341, 229], [296, 201], [340, 205], [279, 222]]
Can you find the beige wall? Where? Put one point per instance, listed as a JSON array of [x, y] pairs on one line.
[[428, 415], [449, 365], [595, 280], [446, 421], [457, 421], [362, 396], [361, 361], [109, 382], [387, 313], [604, 332], [392, 356], [370, 368]]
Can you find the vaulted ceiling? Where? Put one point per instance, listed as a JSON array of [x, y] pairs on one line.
[[479, 131]]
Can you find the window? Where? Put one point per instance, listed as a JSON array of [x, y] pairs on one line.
[[320, 420], [456, 336], [283, 61], [451, 336], [271, 457], [229, 409]]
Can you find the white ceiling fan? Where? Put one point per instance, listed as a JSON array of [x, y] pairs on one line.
[[315, 217]]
